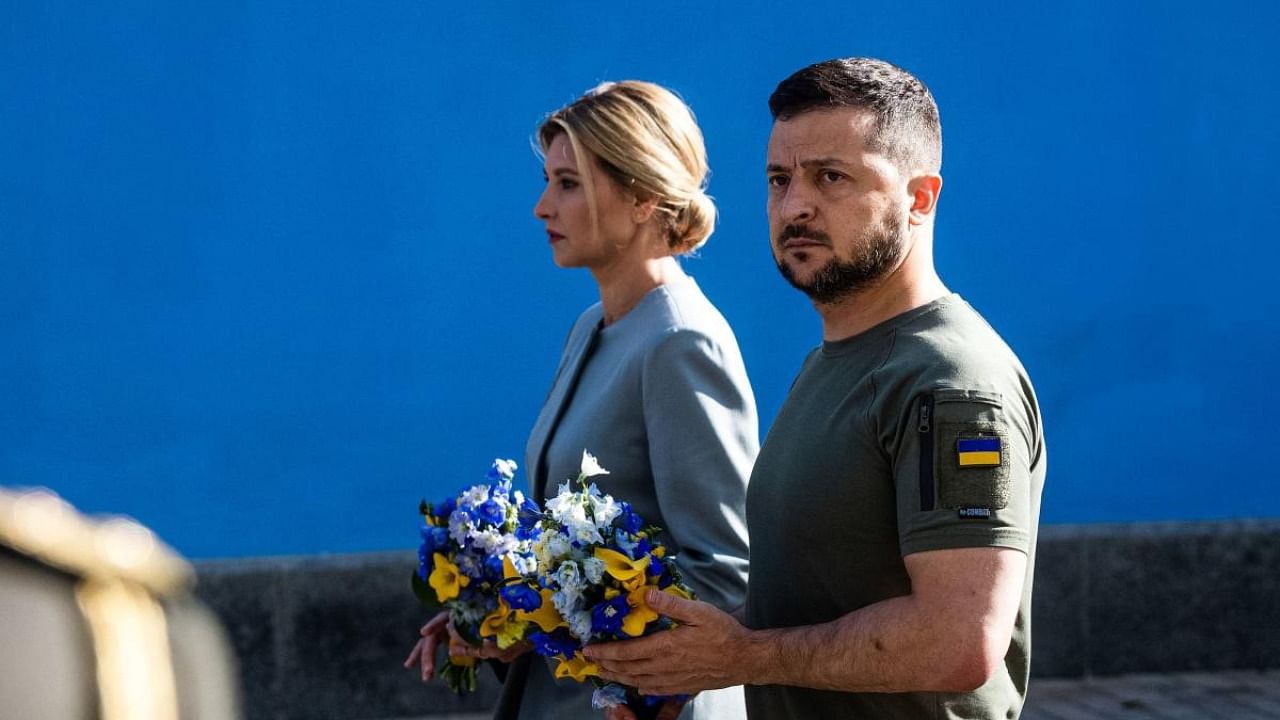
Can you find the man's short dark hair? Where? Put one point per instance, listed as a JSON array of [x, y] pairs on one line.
[[907, 126]]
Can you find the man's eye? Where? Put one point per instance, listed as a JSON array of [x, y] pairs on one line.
[[831, 176], [778, 181]]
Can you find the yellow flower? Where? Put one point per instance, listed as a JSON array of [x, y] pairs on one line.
[[511, 633], [494, 621], [625, 570], [460, 660], [678, 592], [500, 624], [445, 579], [640, 615], [546, 616], [578, 668]]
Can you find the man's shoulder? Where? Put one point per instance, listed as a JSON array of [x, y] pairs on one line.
[[950, 347], [950, 343]]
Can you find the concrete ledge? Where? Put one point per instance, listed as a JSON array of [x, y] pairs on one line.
[[1157, 597], [323, 636]]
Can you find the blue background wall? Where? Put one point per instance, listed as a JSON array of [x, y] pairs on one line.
[[268, 270]]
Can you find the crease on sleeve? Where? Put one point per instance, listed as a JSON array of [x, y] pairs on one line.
[[700, 419]]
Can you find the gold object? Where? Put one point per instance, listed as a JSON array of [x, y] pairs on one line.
[[124, 570]]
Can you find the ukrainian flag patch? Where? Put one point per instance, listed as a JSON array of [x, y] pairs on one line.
[[979, 452]]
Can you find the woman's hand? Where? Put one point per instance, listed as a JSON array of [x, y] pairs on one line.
[[489, 650], [424, 653]]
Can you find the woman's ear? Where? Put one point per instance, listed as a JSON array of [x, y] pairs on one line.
[[643, 209]]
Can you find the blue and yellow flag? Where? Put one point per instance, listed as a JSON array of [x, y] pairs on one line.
[[978, 452]]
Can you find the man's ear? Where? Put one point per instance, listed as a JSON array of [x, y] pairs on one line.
[[924, 190]]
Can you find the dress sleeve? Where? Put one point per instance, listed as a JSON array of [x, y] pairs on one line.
[[700, 419]]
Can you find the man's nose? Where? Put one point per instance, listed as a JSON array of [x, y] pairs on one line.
[[797, 204]]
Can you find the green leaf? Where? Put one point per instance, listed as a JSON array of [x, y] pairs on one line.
[[467, 633], [460, 679]]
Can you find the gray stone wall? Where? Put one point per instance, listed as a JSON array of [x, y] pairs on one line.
[[324, 636]]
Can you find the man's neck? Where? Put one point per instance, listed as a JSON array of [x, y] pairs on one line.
[[864, 310]]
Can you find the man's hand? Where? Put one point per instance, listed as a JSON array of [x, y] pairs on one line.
[[708, 650], [424, 653]]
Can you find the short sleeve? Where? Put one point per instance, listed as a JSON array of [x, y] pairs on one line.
[[962, 472], [700, 419]]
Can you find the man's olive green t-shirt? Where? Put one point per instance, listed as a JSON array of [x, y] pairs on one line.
[[919, 434]]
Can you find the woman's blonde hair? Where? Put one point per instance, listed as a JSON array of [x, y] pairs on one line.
[[647, 140]]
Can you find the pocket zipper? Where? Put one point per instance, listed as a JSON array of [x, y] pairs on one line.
[[925, 428]]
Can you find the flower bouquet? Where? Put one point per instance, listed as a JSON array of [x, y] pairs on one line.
[[473, 546], [596, 558]]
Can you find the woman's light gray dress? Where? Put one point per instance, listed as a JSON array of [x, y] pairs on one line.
[[662, 399]]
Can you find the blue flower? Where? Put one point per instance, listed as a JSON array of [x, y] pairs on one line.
[[530, 514], [641, 548], [493, 568], [424, 562], [446, 508], [631, 522], [556, 642], [607, 617], [491, 512], [521, 597]]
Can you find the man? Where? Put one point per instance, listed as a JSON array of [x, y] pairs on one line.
[[893, 508]]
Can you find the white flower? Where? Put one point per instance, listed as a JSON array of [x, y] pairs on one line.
[[475, 497], [604, 509], [590, 466], [566, 505], [569, 575], [584, 531], [551, 548], [579, 624], [505, 468], [524, 564], [611, 695], [460, 526], [490, 540], [593, 568]]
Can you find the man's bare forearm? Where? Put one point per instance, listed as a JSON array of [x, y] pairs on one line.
[[948, 637]]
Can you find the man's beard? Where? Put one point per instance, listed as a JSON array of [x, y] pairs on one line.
[[879, 251]]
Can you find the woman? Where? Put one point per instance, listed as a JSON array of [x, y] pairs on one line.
[[651, 380]]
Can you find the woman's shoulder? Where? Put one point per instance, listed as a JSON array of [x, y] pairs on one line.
[[682, 307], [586, 322]]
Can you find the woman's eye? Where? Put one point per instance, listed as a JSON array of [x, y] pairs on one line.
[[567, 184]]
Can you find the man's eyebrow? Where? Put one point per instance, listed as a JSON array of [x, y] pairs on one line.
[[809, 164], [823, 162]]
